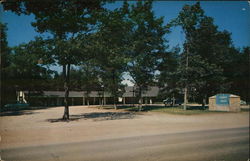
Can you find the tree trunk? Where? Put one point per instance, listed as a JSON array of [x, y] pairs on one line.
[[140, 104], [173, 101], [186, 82], [133, 96], [28, 100], [140, 99], [88, 101], [115, 102], [185, 98], [114, 89], [100, 101], [66, 72], [204, 102]]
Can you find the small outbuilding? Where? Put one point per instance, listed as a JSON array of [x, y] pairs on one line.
[[224, 102]]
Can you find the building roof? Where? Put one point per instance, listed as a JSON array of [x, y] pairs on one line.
[[230, 95], [151, 92], [76, 93]]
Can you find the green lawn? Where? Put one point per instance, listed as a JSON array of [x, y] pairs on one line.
[[191, 110], [180, 111]]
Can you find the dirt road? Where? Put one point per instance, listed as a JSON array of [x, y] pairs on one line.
[[210, 145], [41, 128]]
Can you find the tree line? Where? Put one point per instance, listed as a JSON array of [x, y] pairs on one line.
[[95, 46]]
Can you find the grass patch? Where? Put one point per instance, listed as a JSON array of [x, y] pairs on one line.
[[3, 109], [105, 107], [178, 110], [245, 109]]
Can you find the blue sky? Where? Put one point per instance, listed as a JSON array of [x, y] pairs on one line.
[[233, 16]]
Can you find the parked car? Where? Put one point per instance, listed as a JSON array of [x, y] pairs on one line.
[[167, 101], [17, 105], [243, 102], [171, 101]]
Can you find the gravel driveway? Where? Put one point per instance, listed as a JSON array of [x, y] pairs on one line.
[[44, 126]]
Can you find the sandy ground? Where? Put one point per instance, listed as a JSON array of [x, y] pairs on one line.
[[41, 127]]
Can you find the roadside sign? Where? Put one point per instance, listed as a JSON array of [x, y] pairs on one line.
[[222, 99]]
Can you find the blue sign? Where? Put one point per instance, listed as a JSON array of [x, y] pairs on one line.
[[222, 99]]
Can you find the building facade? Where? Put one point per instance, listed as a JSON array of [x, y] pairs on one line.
[[56, 98]]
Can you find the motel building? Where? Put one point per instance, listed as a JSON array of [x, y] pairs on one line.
[[56, 98]]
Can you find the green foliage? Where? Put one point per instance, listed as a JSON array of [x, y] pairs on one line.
[[5, 50], [25, 69], [106, 43], [23, 72], [65, 20], [85, 78], [239, 73], [188, 18], [20, 69], [7, 93], [206, 50], [58, 17], [111, 44], [168, 79], [148, 43]]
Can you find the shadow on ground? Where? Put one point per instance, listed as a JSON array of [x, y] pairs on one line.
[[135, 108], [98, 116], [146, 108], [196, 107], [16, 113]]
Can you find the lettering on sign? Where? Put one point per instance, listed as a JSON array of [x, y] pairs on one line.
[[222, 99]]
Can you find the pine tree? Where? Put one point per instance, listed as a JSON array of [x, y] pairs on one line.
[[64, 20], [148, 42], [201, 69]]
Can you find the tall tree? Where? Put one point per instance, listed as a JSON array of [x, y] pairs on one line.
[[90, 77], [6, 91], [148, 43], [214, 48], [86, 78], [25, 70], [188, 19], [112, 43], [239, 75], [65, 20], [205, 48], [168, 77]]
